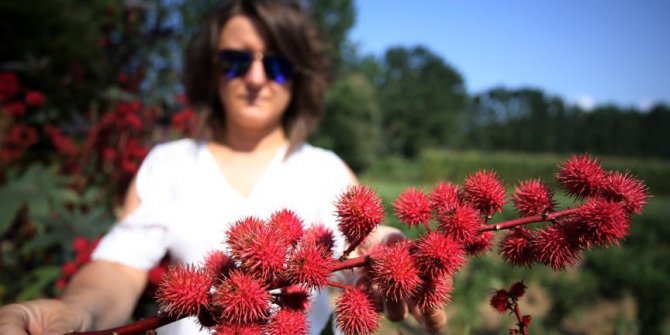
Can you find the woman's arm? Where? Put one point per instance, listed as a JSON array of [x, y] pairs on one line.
[[101, 295]]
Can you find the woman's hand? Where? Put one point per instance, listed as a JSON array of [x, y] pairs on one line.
[[43, 317], [434, 320]]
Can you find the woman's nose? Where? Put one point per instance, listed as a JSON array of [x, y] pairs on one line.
[[256, 74]]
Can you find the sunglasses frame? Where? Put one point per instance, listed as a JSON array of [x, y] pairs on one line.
[[236, 63]]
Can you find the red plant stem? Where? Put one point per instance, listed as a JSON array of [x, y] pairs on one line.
[[338, 285], [522, 327], [351, 263], [526, 220], [351, 247], [138, 327]]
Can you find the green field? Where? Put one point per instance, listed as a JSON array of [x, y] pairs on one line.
[[612, 291]]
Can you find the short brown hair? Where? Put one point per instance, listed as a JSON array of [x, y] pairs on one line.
[[289, 32]]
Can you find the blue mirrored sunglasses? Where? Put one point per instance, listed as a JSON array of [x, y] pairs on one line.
[[236, 63]]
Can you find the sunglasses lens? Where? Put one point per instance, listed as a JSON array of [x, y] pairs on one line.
[[234, 63], [277, 69]]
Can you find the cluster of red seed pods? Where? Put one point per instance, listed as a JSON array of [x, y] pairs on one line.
[[262, 285]]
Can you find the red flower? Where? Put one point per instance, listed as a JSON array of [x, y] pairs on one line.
[[462, 223], [310, 266], [287, 322], [359, 210], [485, 191], [35, 99], [516, 248], [444, 197], [499, 301], [156, 274], [15, 109], [413, 207], [581, 176], [63, 144], [437, 255], [517, 290], [394, 272], [480, 244], [184, 121], [9, 86], [356, 314], [184, 290], [604, 222], [622, 187], [69, 269], [242, 299], [532, 197], [556, 246], [320, 235], [434, 292], [287, 224]]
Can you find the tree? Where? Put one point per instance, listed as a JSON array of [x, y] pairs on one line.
[[421, 97], [352, 122]]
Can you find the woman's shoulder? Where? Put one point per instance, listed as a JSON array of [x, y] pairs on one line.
[[317, 163], [312, 155]]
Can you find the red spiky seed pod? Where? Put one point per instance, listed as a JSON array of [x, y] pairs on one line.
[[437, 255], [581, 176], [499, 301], [356, 313], [624, 188], [241, 235], [479, 245], [294, 297], [184, 291], [320, 235], [556, 246], [264, 256], [287, 322], [359, 211], [532, 197], [217, 264], [603, 222], [394, 272], [238, 329], [516, 247], [462, 223], [485, 192], [517, 290], [444, 197], [287, 223], [241, 299], [309, 265], [412, 207], [435, 292]]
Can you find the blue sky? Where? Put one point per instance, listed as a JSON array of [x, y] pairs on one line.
[[589, 52]]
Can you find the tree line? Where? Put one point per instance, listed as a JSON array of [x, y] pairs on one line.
[[397, 103]]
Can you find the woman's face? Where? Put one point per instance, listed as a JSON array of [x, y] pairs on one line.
[[251, 101]]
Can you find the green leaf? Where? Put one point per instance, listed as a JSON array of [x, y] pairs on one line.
[[40, 279]]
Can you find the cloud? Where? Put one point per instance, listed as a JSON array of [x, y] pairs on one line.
[[585, 102]]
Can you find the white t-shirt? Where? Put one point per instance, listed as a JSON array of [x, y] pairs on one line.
[[186, 205]]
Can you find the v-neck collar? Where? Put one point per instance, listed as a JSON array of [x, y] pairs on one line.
[[271, 166]]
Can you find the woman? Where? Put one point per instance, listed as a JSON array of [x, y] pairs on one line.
[[256, 72]]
